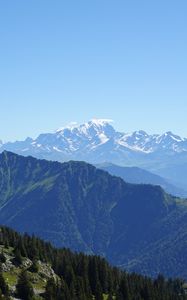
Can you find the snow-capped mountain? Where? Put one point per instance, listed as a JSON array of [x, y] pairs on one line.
[[141, 141], [79, 141], [97, 141]]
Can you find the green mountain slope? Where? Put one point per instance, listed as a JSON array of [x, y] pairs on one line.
[[76, 205], [34, 270]]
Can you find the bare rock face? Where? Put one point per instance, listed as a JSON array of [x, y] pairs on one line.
[[45, 270]]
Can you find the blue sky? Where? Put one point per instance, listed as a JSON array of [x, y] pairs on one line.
[[63, 61]]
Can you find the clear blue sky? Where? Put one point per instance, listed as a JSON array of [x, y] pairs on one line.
[[64, 60]]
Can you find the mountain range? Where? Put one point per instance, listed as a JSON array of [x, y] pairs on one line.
[[97, 141], [74, 204], [140, 176]]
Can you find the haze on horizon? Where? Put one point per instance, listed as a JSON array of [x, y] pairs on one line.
[[73, 61]]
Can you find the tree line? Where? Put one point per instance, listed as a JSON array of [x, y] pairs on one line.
[[80, 276]]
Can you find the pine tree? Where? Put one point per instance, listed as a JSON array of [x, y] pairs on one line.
[[34, 267], [65, 292], [21, 247], [3, 285], [119, 295], [6, 244], [17, 257], [24, 289], [50, 290], [80, 292], [93, 275], [2, 257], [33, 252], [98, 292], [124, 288], [110, 297]]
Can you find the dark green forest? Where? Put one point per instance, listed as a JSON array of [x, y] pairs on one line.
[[78, 276]]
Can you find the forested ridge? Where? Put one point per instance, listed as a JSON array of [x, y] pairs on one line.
[[76, 276]]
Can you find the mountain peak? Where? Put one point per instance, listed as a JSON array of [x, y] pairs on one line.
[[92, 133], [100, 122], [6, 153], [169, 136], [93, 122]]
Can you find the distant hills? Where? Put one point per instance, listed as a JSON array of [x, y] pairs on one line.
[[74, 204], [97, 141], [140, 176]]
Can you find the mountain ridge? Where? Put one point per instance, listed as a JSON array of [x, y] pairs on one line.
[[76, 205], [138, 175], [97, 141]]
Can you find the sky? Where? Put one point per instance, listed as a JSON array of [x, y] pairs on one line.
[[66, 60]]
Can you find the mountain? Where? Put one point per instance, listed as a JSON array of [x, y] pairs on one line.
[[140, 176], [76, 205], [70, 141], [97, 141], [33, 269]]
